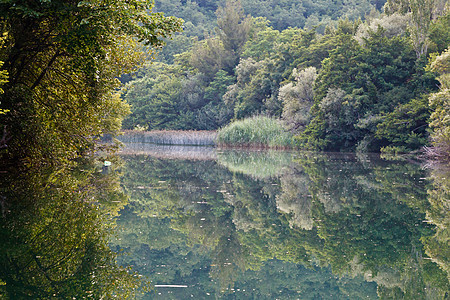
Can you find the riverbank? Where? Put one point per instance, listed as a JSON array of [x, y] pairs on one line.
[[252, 133], [170, 137]]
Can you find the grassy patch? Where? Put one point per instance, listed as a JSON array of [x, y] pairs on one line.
[[257, 131]]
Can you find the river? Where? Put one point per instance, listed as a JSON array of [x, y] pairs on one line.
[[203, 223]]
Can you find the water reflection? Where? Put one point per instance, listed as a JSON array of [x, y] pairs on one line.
[[268, 225], [54, 231]]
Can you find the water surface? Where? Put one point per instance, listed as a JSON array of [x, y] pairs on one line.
[[207, 224]]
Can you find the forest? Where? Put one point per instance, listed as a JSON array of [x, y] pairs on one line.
[[369, 75], [364, 76]]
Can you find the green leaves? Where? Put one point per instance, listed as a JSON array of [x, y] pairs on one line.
[[440, 106]]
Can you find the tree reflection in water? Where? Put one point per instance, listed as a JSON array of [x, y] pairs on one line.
[[218, 226], [54, 231]]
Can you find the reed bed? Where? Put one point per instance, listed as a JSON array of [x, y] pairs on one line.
[[170, 137], [255, 132]]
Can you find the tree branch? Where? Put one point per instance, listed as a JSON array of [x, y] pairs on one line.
[[49, 64]]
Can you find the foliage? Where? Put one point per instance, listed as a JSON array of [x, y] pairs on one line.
[[63, 59], [164, 99], [233, 30], [406, 126], [62, 88], [383, 74], [422, 14], [257, 131], [245, 67], [297, 99], [439, 36], [251, 93], [439, 104]]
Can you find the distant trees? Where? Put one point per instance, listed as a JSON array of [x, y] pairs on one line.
[[233, 29], [370, 75], [376, 77]]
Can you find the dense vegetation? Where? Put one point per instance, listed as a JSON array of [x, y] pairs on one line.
[[60, 61], [258, 131], [360, 76]]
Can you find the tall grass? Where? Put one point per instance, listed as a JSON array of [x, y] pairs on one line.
[[169, 137], [256, 131]]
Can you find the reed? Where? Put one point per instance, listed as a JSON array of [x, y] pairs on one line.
[[256, 132], [170, 137]]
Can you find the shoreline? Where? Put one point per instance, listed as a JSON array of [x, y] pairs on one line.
[[170, 137], [189, 138]]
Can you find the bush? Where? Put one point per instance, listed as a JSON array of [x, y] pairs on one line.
[[256, 131]]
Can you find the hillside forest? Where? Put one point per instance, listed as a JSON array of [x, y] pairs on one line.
[[340, 75]]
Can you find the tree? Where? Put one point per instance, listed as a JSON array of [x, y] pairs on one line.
[[254, 87], [377, 76], [233, 31], [440, 106], [423, 13], [62, 58], [298, 98], [208, 57], [405, 128]]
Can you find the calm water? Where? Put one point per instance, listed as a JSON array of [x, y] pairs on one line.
[[205, 224]]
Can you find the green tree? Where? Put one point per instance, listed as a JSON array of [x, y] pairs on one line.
[[252, 93], [439, 104], [233, 30], [62, 59], [405, 128], [423, 13], [208, 57], [298, 98], [377, 76]]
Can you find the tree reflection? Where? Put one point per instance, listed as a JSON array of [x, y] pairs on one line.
[[438, 213], [375, 223], [54, 232], [363, 217]]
